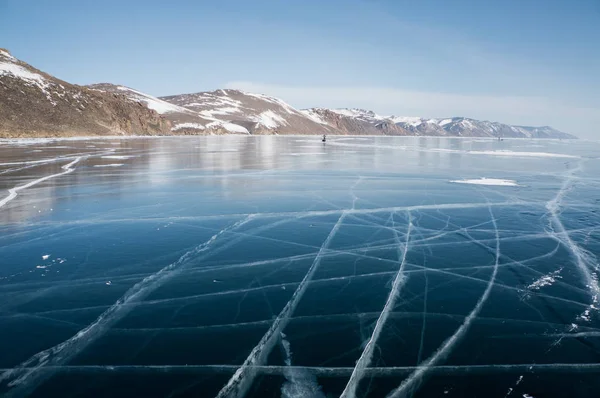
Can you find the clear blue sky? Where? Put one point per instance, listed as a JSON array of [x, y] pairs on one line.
[[517, 61]]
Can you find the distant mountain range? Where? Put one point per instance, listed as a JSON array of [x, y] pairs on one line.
[[35, 104]]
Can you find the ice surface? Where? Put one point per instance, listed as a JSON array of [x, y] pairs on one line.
[[13, 192], [289, 273], [116, 157], [523, 154], [488, 181]]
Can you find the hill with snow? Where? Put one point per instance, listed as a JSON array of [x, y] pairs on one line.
[[236, 111], [33, 103], [371, 123]]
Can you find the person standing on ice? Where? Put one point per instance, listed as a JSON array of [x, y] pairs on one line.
[[324, 138]]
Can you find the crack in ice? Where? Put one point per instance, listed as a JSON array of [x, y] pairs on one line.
[[365, 359], [408, 386], [25, 378], [13, 192], [241, 381]]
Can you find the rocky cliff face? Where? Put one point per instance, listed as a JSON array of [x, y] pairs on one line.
[[33, 103]]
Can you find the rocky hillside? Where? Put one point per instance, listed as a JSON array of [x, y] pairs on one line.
[[33, 103], [240, 112], [370, 123], [355, 121], [225, 112]]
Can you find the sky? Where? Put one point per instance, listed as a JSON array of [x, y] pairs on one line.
[[526, 62]]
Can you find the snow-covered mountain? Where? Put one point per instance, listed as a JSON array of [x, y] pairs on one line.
[[183, 120], [241, 112], [353, 119], [33, 103]]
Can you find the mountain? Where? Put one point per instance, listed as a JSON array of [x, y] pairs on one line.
[[33, 103], [225, 112], [182, 120], [368, 122], [237, 111], [355, 121]]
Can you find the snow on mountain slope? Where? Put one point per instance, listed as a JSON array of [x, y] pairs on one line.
[[413, 121], [359, 121], [34, 103], [254, 113], [355, 121], [151, 102], [184, 120], [12, 69], [313, 115]]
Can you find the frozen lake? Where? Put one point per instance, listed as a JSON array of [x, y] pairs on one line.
[[285, 267]]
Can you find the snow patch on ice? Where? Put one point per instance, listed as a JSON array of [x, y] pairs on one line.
[[299, 383], [488, 181], [45, 256], [546, 280]]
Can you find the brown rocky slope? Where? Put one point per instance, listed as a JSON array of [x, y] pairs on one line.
[[35, 104]]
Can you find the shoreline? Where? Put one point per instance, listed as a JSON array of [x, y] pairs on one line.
[[43, 139]]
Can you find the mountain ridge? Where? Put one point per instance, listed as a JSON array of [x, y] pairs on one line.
[[34, 103]]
